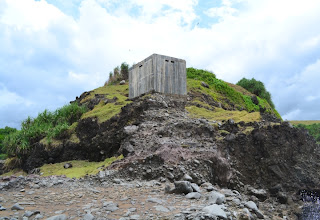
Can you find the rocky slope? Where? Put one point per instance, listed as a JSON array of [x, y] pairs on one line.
[[260, 165]]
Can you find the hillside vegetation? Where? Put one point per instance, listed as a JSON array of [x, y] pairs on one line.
[[208, 97], [232, 101], [311, 127]]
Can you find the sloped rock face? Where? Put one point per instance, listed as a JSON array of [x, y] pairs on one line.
[[160, 140], [278, 154]]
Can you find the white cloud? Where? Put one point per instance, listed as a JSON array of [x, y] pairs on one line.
[[46, 53], [8, 98], [29, 13]]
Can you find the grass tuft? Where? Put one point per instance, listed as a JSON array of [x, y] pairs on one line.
[[105, 111], [80, 168], [219, 114]]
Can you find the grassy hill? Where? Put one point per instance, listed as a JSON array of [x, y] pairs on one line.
[[208, 97]]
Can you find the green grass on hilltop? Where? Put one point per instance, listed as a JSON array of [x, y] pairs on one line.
[[229, 95], [105, 111], [313, 127], [305, 122], [219, 114]]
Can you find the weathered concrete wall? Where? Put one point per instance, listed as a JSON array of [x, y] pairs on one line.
[[160, 73]]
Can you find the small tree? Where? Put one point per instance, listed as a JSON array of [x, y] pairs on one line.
[[256, 87], [116, 72], [124, 70]]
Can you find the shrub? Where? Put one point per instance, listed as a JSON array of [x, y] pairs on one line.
[[257, 88], [207, 76], [313, 129], [46, 124], [118, 74], [3, 133]]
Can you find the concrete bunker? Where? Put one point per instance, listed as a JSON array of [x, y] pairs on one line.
[[159, 73]]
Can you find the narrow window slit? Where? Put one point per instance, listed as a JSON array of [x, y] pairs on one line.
[[167, 60], [172, 61], [140, 66]]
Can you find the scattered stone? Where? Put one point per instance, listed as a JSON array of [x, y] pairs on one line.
[[215, 210], [2, 208], [244, 215], [183, 187], [134, 217], [130, 129], [195, 188], [17, 207], [67, 165], [30, 213], [251, 205], [58, 217], [261, 194], [193, 195], [204, 84], [155, 200], [170, 176], [161, 208], [216, 198], [110, 206], [282, 198], [88, 216], [255, 100], [208, 186], [186, 177], [117, 181], [38, 216]]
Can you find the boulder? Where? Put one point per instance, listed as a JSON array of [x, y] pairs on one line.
[[183, 187], [215, 210], [216, 198]]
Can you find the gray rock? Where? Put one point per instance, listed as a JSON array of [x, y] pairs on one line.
[[215, 210], [195, 188], [110, 206], [204, 84], [130, 129], [170, 176], [193, 195], [17, 207], [216, 198], [251, 205], [117, 181], [58, 217], [161, 208], [186, 177], [155, 200], [67, 165], [282, 197], [88, 216], [122, 82], [183, 187], [261, 194], [134, 217], [208, 186], [38, 216], [2, 208], [30, 213], [236, 201]]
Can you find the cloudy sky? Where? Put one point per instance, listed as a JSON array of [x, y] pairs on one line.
[[53, 50]]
